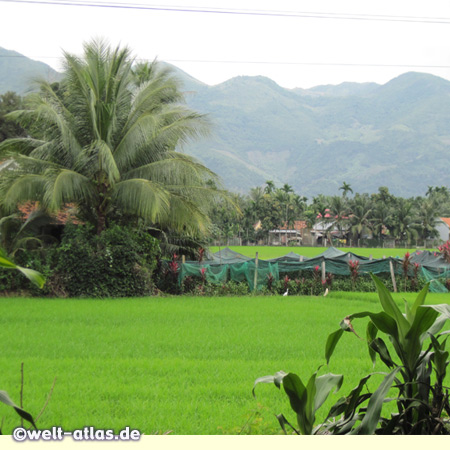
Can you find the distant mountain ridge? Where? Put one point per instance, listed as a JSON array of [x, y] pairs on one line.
[[17, 72], [366, 134]]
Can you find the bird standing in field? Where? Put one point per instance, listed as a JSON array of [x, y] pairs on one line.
[[326, 292], [286, 293]]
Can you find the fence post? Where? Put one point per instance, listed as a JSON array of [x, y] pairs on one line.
[[183, 258], [255, 280], [391, 266], [323, 271]]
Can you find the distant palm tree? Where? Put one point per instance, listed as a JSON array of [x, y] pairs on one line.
[[270, 187], [361, 210], [346, 188], [405, 225], [107, 141]]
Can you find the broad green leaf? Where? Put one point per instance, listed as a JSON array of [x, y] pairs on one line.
[[423, 320], [324, 385], [277, 379], [444, 309], [283, 422], [5, 262], [373, 413], [34, 276], [296, 391], [380, 347], [311, 390], [390, 307], [332, 341], [298, 398], [408, 312], [420, 300], [383, 321], [371, 334]]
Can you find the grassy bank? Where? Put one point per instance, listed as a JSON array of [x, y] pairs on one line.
[[181, 364]]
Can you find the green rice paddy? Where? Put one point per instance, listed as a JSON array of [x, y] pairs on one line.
[[182, 364], [266, 252]]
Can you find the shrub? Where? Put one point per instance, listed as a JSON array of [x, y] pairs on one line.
[[117, 263]]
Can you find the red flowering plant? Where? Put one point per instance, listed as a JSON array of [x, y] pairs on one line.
[[286, 283], [445, 251], [405, 264], [316, 274], [173, 265], [415, 278], [200, 254], [203, 274]]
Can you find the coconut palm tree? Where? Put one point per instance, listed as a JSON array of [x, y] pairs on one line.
[[361, 209], [108, 141]]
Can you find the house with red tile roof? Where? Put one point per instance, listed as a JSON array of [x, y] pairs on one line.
[[443, 228]]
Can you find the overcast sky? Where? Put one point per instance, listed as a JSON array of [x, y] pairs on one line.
[[352, 40]]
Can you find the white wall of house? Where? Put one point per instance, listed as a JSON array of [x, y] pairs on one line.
[[443, 230]]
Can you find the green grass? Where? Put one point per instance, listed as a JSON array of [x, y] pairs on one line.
[[265, 252], [181, 364]]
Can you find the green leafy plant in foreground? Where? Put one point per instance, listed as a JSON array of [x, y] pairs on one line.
[[422, 404]]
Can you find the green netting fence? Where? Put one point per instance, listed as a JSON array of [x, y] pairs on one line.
[[228, 265], [437, 279]]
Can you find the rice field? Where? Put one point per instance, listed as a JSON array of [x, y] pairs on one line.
[[266, 252], [171, 363]]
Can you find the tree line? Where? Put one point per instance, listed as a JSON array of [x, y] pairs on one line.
[[356, 217]]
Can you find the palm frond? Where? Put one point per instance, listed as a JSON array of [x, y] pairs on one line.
[[66, 186], [143, 198]]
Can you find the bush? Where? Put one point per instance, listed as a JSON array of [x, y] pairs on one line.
[[117, 263]]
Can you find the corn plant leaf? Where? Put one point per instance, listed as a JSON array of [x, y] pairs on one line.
[[276, 379], [331, 343], [298, 398], [347, 405], [283, 422], [444, 309], [380, 347], [408, 312], [383, 321], [4, 398], [389, 306], [371, 334], [423, 320], [373, 413], [420, 299], [324, 385]]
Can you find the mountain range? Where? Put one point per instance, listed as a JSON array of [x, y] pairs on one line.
[[368, 135]]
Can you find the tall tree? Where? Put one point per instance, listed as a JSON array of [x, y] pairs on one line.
[[346, 188], [361, 210], [108, 141]]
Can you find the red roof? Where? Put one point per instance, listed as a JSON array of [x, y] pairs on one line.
[[68, 213], [446, 220], [298, 225]]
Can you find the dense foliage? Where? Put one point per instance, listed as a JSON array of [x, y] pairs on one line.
[[360, 219], [119, 262]]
